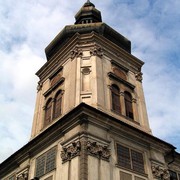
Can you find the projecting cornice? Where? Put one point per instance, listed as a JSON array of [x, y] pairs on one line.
[[100, 28]]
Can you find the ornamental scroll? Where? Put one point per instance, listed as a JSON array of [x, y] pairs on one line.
[[160, 172], [96, 51], [70, 152], [76, 53], [99, 151]]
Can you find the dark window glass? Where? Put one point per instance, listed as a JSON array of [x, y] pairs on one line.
[[48, 110], [50, 160], [123, 156], [130, 159], [46, 162], [128, 105], [173, 175], [40, 166], [137, 161], [57, 104], [115, 98]]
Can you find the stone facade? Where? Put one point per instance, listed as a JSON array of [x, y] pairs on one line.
[[90, 120]]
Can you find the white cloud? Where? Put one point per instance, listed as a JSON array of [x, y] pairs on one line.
[[26, 29]]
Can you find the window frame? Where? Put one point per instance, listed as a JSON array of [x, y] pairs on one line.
[[45, 157], [57, 113], [48, 120], [115, 99], [142, 171], [128, 105]]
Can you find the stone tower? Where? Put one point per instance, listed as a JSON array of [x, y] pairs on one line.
[[90, 120], [90, 62]]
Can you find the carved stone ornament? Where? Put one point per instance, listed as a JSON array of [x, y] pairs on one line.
[[86, 70], [76, 53], [23, 175], [160, 172], [139, 76], [39, 86], [101, 152], [71, 151], [96, 51]]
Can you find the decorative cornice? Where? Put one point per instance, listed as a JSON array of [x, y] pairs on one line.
[[99, 151], [70, 152], [160, 172], [113, 76], [57, 84], [76, 52], [139, 76], [96, 51]]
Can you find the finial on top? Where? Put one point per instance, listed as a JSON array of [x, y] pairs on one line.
[[88, 14]]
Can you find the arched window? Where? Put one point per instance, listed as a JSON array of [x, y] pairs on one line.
[[115, 98], [57, 104], [128, 105], [48, 110]]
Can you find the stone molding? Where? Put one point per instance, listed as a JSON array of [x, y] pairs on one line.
[[96, 51], [99, 151], [76, 52], [139, 77], [71, 151], [160, 172]]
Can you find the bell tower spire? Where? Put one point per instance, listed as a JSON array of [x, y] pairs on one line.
[[88, 14]]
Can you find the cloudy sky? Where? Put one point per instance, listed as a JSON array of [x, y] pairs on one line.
[[27, 26]]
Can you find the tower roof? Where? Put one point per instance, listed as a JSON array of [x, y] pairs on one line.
[[88, 14]]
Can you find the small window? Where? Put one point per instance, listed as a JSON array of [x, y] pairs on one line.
[[130, 159], [115, 91], [48, 112], [128, 105], [46, 163], [57, 104], [173, 175]]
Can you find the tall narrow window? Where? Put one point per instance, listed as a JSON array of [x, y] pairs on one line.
[[48, 109], [115, 98], [128, 105], [57, 104]]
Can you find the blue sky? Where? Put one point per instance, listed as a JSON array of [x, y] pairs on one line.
[[28, 26]]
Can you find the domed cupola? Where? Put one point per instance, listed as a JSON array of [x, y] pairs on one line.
[[88, 14]]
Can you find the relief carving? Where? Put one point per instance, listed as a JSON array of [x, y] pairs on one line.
[[101, 152], [23, 175], [160, 172], [71, 151], [76, 53], [96, 51], [139, 76], [39, 86]]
